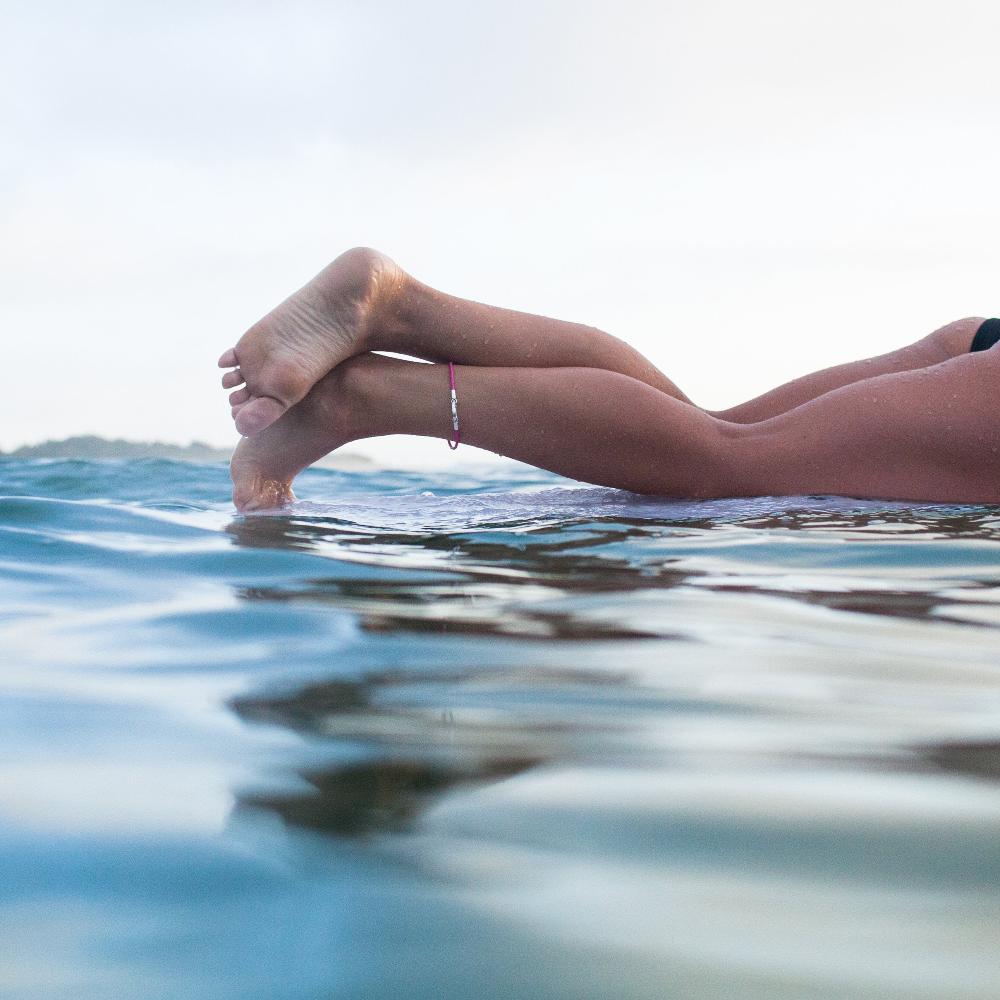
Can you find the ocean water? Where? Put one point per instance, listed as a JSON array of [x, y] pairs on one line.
[[492, 735]]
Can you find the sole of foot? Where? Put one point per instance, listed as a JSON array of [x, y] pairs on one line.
[[282, 356]]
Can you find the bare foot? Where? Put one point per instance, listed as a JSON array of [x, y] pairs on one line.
[[283, 355], [263, 466]]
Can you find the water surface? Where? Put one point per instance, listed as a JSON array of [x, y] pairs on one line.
[[492, 735]]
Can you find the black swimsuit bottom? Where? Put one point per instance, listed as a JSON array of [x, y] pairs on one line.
[[986, 336]]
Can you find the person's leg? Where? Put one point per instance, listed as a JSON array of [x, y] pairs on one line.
[[364, 302], [568, 420], [923, 435], [949, 341], [438, 327]]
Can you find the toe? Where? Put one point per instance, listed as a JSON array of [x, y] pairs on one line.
[[258, 413], [232, 379], [240, 396], [228, 360]]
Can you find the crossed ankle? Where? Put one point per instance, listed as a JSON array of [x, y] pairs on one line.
[[344, 397]]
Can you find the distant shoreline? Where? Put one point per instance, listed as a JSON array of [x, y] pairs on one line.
[[94, 448]]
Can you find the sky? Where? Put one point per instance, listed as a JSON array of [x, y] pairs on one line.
[[744, 192]]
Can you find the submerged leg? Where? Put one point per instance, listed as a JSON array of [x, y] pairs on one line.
[[568, 420], [922, 435]]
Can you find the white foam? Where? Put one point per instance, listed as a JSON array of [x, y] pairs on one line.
[[426, 510]]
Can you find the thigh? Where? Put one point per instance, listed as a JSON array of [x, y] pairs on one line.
[[947, 342], [930, 434]]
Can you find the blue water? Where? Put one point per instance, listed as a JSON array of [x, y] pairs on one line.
[[492, 735]]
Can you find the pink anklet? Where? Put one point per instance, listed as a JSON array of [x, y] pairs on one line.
[[454, 408]]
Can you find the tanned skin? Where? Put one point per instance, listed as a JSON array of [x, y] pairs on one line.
[[918, 423]]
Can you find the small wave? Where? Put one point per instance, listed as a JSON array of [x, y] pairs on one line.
[[427, 511]]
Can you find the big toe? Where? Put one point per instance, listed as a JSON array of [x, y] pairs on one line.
[[258, 413]]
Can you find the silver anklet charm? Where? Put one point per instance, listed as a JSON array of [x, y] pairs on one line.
[[453, 444]]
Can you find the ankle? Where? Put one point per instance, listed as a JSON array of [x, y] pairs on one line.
[[350, 400]]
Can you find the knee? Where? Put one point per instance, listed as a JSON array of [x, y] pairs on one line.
[[738, 458], [742, 413], [721, 460]]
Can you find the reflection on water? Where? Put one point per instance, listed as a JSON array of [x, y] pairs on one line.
[[504, 577], [493, 738], [979, 760], [382, 796], [428, 734], [474, 607]]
